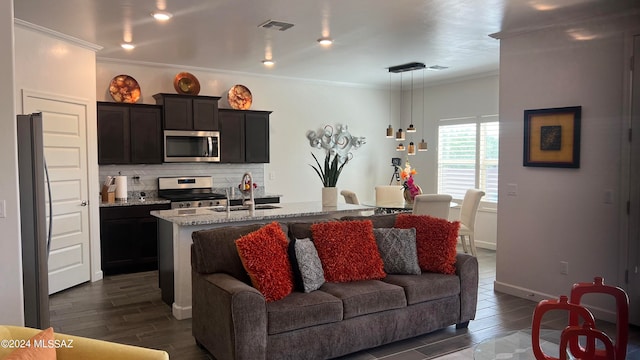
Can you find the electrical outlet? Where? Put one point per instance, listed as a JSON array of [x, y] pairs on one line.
[[272, 175], [564, 267], [512, 189]]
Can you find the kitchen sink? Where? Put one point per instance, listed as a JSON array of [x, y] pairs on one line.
[[245, 207], [266, 206]]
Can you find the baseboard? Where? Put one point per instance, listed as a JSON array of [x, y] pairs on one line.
[[98, 275], [485, 245], [181, 312], [482, 245], [536, 296]]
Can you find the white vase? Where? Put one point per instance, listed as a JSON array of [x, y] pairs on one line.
[[330, 196]]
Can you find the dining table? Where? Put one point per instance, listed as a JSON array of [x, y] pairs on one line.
[[383, 207]]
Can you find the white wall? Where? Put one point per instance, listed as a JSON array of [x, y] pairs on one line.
[[54, 64], [298, 106], [463, 98], [560, 214], [11, 295], [468, 97]]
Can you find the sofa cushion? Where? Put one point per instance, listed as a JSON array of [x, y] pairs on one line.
[[379, 221], [398, 250], [427, 286], [348, 250], [299, 310], [35, 352], [436, 241], [264, 255], [366, 297], [300, 230], [214, 250], [305, 263]]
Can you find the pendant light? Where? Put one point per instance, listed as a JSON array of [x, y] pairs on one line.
[[411, 129], [422, 146], [399, 133], [390, 128], [411, 150]]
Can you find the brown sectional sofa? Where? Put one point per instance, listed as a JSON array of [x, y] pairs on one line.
[[232, 320]]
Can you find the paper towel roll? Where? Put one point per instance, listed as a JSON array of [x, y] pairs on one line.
[[121, 187]]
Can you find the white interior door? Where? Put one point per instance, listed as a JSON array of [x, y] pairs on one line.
[[65, 149]]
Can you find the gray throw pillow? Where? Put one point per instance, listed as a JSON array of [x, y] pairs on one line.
[[398, 250], [309, 265]]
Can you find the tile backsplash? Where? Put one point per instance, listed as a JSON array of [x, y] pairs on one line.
[[224, 175]]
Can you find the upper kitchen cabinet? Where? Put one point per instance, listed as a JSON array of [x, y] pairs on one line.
[[186, 112], [244, 136], [129, 133]]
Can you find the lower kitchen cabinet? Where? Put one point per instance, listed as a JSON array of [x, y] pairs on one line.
[[128, 238]]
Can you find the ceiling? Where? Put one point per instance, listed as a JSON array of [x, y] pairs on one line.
[[369, 35]]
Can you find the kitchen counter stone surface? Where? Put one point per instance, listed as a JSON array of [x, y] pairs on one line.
[[135, 202], [218, 215], [235, 194]]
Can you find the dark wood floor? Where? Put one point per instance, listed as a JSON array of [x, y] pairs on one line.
[[127, 309]]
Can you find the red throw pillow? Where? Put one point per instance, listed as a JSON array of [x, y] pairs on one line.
[[436, 241], [43, 351], [348, 250], [264, 256]]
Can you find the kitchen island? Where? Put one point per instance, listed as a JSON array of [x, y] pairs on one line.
[[174, 238]]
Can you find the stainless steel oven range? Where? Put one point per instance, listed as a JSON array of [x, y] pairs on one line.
[[190, 191]]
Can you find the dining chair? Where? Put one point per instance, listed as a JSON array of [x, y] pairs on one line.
[[468, 212], [350, 197], [436, 205], [389, 195]]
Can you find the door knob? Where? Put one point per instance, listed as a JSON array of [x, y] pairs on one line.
[[83, 203]]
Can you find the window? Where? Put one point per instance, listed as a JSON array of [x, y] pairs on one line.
[[468, 156]]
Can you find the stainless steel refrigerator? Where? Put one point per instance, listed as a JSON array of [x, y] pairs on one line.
[[36, 235]]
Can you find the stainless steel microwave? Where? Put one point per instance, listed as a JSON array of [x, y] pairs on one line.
[[191, 146]]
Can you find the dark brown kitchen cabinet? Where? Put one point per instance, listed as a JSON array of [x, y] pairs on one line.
[[186, 112], [129, 238], [129, 133], [244, 136]]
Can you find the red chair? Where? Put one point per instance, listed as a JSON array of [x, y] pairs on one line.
[[622, 323]]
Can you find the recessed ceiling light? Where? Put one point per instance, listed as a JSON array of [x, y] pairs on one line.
[[161, 15], [325, 41], [268, 62], [128, 46]]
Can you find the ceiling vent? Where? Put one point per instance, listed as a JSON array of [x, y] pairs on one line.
[[276, 25], [437, 67]]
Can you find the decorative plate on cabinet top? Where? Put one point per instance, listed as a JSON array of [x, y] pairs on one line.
[[186, 84], [239, 97], [124, 88]]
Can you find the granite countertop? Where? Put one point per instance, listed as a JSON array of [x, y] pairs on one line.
[[135, 202], [236, 194], [218, 215]]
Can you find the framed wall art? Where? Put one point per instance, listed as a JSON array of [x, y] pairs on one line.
[[552, 137]]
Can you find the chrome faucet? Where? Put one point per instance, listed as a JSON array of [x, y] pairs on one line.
[[247, 179]]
